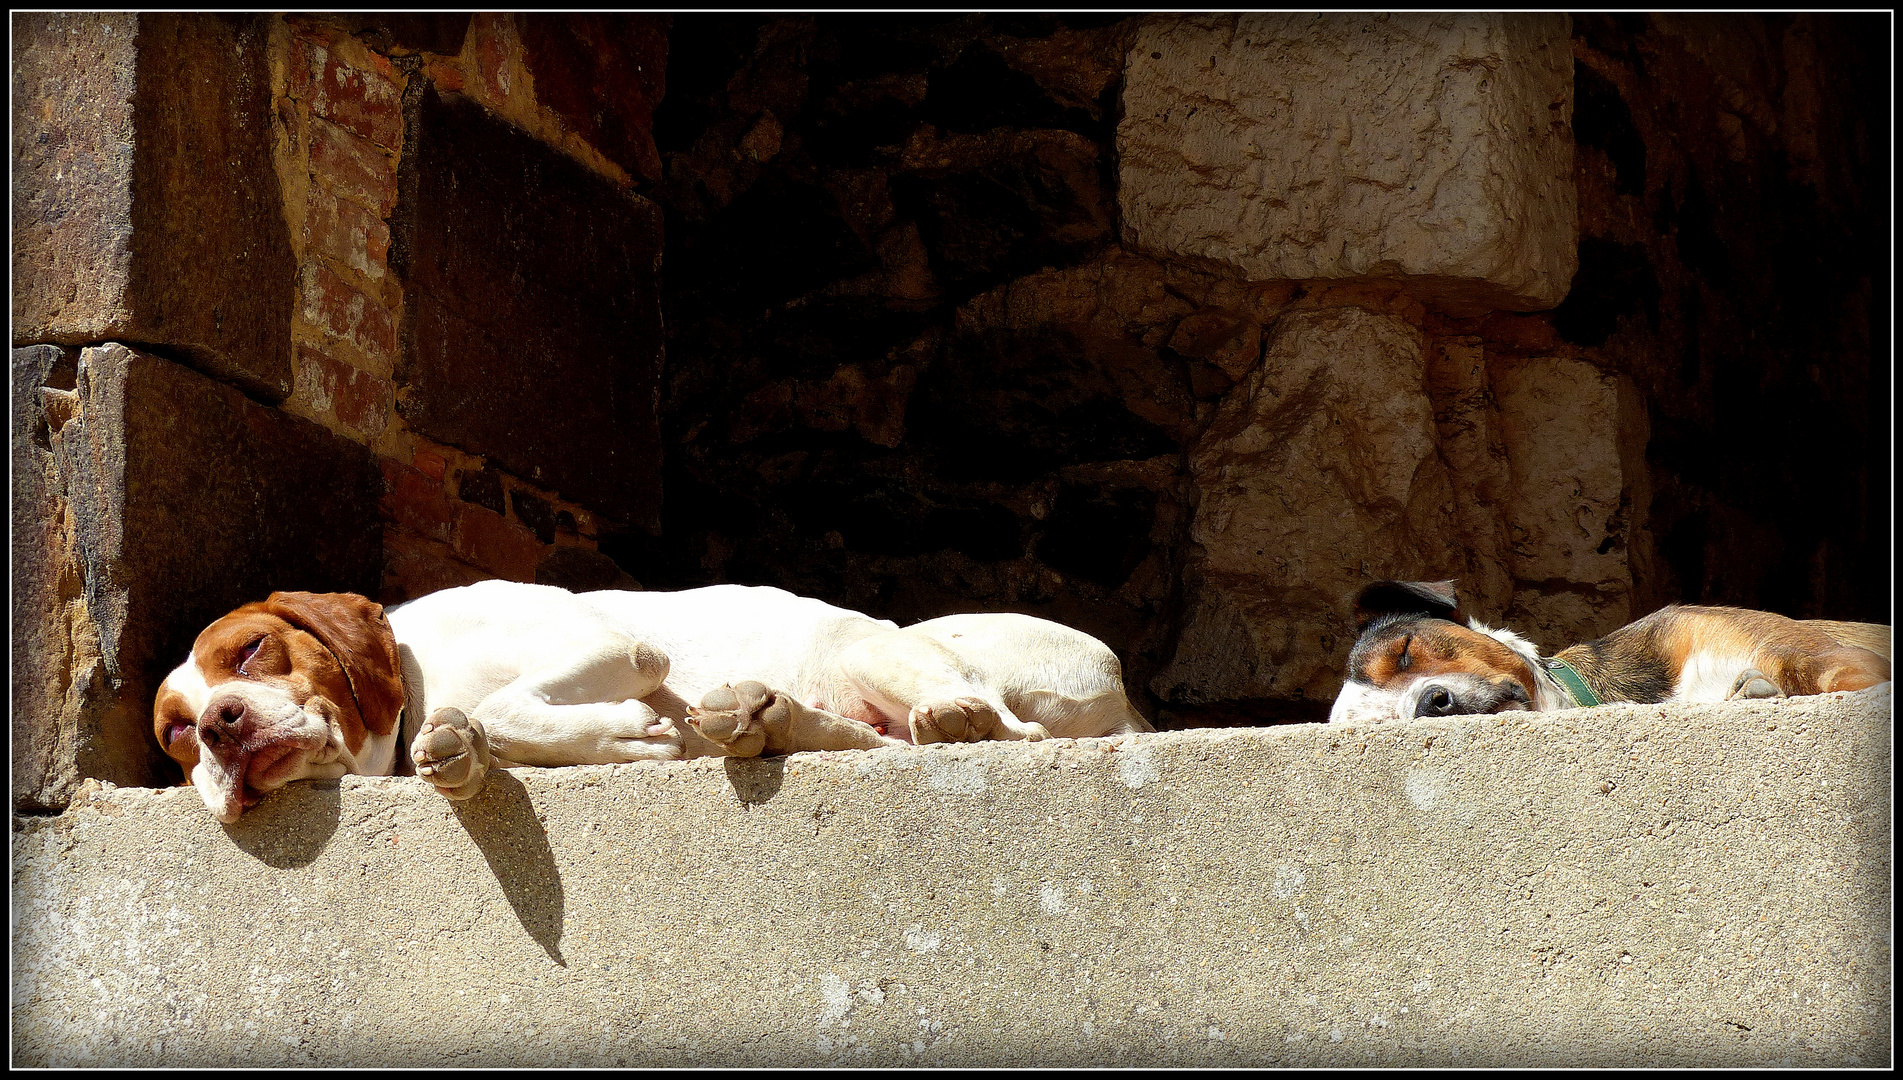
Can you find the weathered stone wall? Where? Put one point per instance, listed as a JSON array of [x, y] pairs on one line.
[[1286, 147], [1174, 328], [261, 344], [1140, 323]]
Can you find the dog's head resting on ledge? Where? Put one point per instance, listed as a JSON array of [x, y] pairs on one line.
[[1413, 659], [300, 685]]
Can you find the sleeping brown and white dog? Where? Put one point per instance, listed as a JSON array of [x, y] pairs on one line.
[[318, 685], [1412, 659]]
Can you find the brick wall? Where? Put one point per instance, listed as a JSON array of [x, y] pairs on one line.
[[339, 87]]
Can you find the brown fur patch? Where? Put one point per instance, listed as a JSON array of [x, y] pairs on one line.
[[1418, 648], [170, 708]]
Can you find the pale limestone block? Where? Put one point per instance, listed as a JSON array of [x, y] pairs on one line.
[[1318, 474], [1559, 421], [1567, 509], [1430, 147]]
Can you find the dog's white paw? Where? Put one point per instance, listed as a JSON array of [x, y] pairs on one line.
[[964, 719], [1752, 683], [451, 751], [736, 715]]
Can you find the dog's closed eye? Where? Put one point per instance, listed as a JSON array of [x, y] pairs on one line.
[[245, 654]]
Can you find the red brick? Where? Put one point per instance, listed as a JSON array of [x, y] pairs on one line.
[[493, 35], [346, 314], [496, 544], [413, 568], [429, 462], [366, 102], [360, 400], [348, 233], [445, 74], [353, 166], [416, 502]]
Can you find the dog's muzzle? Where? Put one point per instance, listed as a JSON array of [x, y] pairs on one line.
[[1462, 695]]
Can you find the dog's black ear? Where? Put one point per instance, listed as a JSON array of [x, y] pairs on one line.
[[1433, 599]]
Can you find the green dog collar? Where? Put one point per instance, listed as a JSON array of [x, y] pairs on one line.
[[1569, 680]]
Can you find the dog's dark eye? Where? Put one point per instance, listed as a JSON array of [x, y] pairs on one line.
[[1404, 661], [245, 654]]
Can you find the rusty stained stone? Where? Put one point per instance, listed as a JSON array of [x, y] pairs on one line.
[[533, 332], [145, 206], [603, 74], [186, 499]]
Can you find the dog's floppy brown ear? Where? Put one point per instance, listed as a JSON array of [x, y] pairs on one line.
[[1432, 599], [354, 629]]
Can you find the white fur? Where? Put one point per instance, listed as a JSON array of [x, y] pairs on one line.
[[1360, 703], [560, 678], [1709, 677]]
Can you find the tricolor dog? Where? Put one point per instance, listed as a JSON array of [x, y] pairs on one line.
[[317, 685], [1413, 659]]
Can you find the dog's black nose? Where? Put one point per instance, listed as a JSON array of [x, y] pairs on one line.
[[1436, 701]]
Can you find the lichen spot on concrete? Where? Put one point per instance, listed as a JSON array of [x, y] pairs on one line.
[[956, 776], [920, 940], [835, 999], [1051, 898], [1137, 767], [1288, 881], [1424, 788]]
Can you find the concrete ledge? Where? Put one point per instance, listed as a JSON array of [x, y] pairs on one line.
[[1633, 885]]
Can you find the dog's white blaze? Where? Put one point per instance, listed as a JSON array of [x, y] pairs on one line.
[[1524, 648], [224, 807], [190, 684], [1358, 702], [1708, 676]]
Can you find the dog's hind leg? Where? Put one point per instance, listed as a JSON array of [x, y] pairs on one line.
[[1801, 672], [942, 698], [584, 709], [748, 719]]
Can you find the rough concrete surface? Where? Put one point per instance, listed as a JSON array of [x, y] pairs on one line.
[[1633, 885]]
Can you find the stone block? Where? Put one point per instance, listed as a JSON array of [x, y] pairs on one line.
[[145, 207], [183, 499], [1424, 146], [1569, 508], [604, 74], [532, 333], [43, 582], [1699, 887], [1319, 473]]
